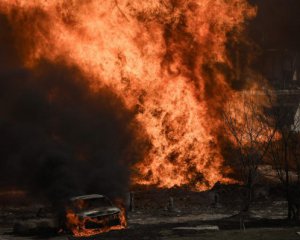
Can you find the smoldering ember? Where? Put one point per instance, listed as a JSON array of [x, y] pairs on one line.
[[161, 119]]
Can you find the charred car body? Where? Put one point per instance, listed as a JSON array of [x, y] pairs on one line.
[[93, 212], [82, 216]]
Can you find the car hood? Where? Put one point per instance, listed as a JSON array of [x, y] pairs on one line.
[[99, 212]]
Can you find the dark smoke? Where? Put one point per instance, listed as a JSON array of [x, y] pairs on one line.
[[58, 138]]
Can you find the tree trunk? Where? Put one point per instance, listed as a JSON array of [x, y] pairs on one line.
[[249, 187], [287, 183], [289, 210]]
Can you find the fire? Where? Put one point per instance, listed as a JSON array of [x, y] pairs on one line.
[[163, 58], [78, 227], [249, 112]]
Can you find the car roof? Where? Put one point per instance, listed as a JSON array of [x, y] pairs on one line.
[[85, 197]]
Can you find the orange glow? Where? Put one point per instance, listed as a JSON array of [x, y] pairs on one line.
[[13, 193], [162, 57], [250, 125]]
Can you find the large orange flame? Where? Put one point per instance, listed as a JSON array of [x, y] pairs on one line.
[[163, 57]]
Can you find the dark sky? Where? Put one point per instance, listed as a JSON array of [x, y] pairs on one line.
[[277, 24]]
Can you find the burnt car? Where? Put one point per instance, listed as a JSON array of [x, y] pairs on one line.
[[82, 216], [93, 212]]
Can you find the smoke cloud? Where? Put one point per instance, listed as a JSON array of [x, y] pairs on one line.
[[58, 136]]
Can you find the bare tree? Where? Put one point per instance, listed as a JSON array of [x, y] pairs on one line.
[[252, 132], [284, 155]]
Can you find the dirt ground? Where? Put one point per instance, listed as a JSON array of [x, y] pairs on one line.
[[194, 216], [169, 233]]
